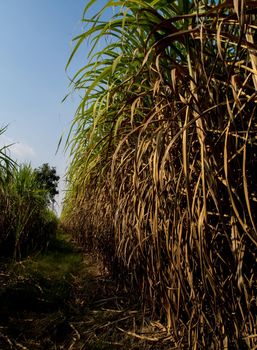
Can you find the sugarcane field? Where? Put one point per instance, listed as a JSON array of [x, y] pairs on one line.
[[143, 234]]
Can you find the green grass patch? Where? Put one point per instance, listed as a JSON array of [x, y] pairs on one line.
[[42, 282], [60, 260]]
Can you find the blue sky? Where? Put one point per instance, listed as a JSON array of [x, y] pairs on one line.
[[36, 41]]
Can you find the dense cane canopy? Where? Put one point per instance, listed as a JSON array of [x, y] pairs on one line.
[[162, 181], [26, 222]]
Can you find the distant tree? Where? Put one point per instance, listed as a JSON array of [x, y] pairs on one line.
[[48, 180]]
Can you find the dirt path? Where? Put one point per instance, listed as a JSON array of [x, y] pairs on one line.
[[61, 300]]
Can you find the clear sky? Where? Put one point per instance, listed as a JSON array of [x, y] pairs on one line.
[[35, 44]]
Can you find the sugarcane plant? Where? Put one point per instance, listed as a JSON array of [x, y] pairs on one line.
[[27, 224], [163, 148]]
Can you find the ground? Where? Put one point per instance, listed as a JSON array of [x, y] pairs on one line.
[[63, 299]]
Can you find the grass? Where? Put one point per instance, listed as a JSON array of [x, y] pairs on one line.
[[39, 288], [58, 262], [61, 300]]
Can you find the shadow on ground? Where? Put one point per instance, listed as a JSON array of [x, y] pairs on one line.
[[61, 300]]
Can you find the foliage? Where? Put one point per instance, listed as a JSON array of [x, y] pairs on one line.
[[6, 163], [164, 153], [26, 223], [48, 180]]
